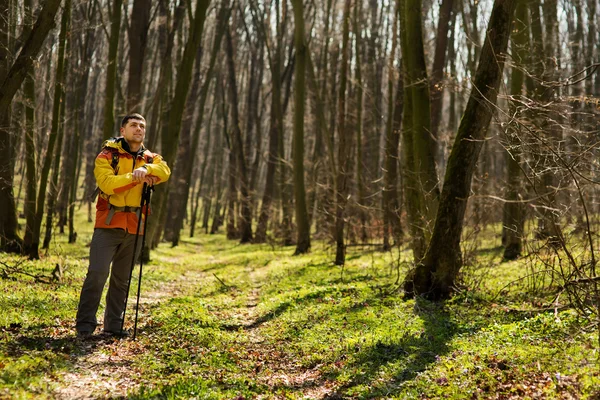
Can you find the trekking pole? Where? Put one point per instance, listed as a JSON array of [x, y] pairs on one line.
[[147, 194], [137, 233]]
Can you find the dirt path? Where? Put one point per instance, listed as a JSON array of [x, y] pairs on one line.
[[106, 369], [272, 357]]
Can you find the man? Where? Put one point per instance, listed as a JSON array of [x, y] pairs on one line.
[[121, 169]]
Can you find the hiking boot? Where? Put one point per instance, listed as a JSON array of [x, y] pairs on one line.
[[118, 334], [83, 335]]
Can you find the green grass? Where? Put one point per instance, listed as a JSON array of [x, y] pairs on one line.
[[251, 321]]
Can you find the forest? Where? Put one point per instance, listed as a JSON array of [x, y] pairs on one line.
[[397, 178]]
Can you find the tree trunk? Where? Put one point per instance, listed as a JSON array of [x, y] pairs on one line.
[[238, 149], [392, 137], [435, 276], [108, 130], [344, 144], [420, 176], [188, 152], [11, 82], [359, 121], [63, 46], [514, 213], [32, 251], [302, 225], [436, 84], [138, 38], [170, 128], [30, 153]]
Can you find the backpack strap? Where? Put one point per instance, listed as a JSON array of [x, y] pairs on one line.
[[148, 157], [115, 161]]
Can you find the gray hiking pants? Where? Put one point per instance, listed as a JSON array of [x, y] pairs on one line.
[[108, 245]]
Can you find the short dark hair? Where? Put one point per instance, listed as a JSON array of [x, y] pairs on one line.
[[131, 116]]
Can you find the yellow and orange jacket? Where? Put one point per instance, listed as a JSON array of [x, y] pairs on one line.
[[116, 185]]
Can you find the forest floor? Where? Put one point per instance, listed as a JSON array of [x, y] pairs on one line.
[[219, 320]]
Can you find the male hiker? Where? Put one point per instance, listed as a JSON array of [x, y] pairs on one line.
[[122, 168]]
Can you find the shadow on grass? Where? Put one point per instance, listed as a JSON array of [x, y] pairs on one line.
[[277, 311], [34, 338], [34, 352], [414, 352]]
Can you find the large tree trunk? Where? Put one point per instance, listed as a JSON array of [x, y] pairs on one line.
[[11, 82], [302, 224], [435, 276]]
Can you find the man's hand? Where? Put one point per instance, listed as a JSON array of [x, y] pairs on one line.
[[150, 180], [139, 175]]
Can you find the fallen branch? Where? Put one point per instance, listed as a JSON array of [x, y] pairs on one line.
[[8, 270], [222, 283]]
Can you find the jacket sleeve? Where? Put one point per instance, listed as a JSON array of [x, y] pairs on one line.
[[108, 182], [159, 168]]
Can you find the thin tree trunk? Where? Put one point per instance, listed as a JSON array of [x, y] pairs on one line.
[[436, 84], [344, 144], [238, 149], [358, 8], [111, 70], [392, 137], [64, 48], [514, 213], [30, 153], [138, 38], [302, 224]]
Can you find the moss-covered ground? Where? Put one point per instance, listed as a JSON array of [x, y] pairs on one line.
[[219, 320]]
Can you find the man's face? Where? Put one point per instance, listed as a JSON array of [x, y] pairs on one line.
[[134, 131]]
